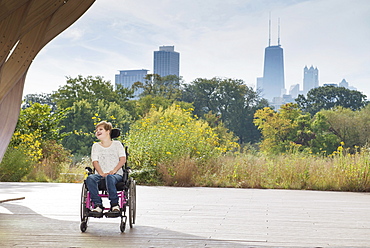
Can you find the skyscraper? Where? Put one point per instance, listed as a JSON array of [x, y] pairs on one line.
[[294, 90], [166, 61], [128, 77], [310, 79], [273, 70], [344, 84]]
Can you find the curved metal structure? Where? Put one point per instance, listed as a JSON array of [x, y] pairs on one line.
[[26, 26]]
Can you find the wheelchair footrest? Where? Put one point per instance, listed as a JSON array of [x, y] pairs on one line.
[[112, 214], [95, 214]]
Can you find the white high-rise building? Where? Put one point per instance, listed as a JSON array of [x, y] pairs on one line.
[[310, 79]]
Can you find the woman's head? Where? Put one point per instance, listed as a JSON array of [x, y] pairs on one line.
[[103, 128]]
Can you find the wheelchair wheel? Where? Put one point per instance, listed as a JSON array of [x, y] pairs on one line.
[[83, 210], [123, 223], [83, 226], [132, 203]]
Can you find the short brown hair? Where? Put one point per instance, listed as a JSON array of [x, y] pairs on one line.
[[106, 125]]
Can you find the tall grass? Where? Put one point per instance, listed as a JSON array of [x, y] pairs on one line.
[[340, 172]]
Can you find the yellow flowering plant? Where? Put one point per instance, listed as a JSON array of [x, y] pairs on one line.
[[166, 135]]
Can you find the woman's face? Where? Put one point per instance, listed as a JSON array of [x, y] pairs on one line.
[[101, 133]]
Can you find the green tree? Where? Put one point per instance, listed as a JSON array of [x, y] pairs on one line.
[[82, 118], [146, 103], [43, 98], [84, 98], [351, 127], [124, 98], [80, 125], [123, 94], [289, 129], [363, 125], [40, 118], [343, 125], [327, 97], [343, 122], [90, 88], [167, 87], [325, 142], [280, 129], [230, 99]]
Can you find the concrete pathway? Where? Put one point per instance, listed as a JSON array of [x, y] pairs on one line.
[[48, 216]]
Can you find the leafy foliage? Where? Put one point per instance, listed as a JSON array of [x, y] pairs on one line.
[[39, 98], [154, 85], [351, 127], [16, 164], [165, 135], [40, 118], [82, 118], [328, 97], [169, 144], [290, 130], [90, 89], [37, 129], [53, 160], [88, 98], [230, 99], [146, 103]]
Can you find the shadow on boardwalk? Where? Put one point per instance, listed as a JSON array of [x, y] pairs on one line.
[[25, 228]]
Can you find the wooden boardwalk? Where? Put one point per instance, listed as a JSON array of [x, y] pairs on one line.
[[48, 216]]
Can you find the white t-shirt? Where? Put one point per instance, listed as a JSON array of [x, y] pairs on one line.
[[108, 157]]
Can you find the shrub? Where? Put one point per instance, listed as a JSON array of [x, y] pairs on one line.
[[74, 172], [16, 164], [167, 136], [23, 152], [54, 158]]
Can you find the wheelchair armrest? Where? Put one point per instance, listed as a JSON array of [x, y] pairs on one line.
[[89, 170]]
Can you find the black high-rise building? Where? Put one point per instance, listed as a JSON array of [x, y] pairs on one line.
[[273, 73], [273, 83]]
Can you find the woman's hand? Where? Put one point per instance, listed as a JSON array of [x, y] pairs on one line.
[[112, 172], [104, 174]]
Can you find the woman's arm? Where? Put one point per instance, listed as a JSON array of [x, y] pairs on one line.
[[98, 169], [121, 162]]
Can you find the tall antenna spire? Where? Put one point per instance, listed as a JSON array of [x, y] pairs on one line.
[[269, 28], [278, 31]]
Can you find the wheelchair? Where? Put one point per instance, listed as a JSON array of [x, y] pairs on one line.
[[126, 191]]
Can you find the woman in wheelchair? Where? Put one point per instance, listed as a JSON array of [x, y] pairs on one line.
[[108, 156]]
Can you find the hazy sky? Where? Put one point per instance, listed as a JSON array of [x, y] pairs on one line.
[[214, 38]]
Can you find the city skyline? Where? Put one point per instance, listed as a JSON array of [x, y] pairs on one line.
[[216, 39]]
